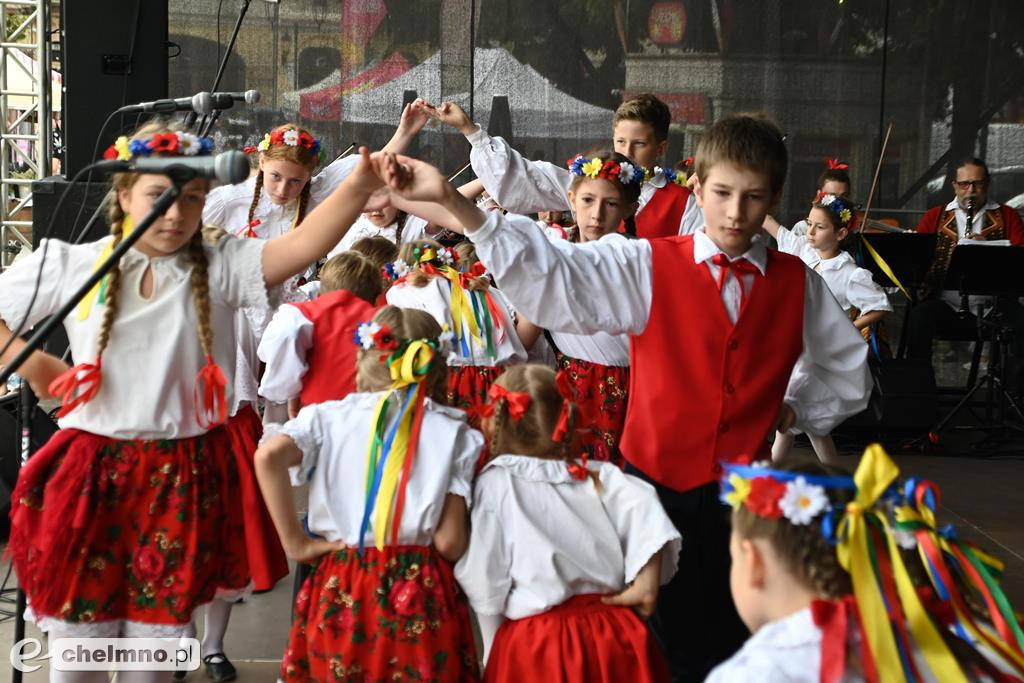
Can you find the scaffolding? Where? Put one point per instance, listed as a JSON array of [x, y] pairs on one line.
[[25, 101]]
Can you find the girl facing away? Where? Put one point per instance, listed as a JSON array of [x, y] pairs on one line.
[[561, 550], [381, 601], [128, 519]]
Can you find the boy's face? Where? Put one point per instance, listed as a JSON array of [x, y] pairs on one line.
[[636, 140], [735, 200]]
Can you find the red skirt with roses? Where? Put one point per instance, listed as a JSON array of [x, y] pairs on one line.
[[468, 386], [600, 392], [144, 531], [395, 614]]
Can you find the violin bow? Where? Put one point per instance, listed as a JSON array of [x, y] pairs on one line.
[[874, 182]]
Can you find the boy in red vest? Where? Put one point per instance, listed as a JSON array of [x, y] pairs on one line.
[[308, 346], [729, 340], [639, 131]]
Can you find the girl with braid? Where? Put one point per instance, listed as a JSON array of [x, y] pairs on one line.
[[129, 518], [561, 549]]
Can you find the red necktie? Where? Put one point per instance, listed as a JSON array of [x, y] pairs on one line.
[[739, 267]]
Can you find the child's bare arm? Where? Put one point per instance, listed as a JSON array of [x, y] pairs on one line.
[[642, 594], [39, 369], [868, 319], [771, 226], [413, 119], [527, 331], [451, 535], [450, 114], [272, 461]]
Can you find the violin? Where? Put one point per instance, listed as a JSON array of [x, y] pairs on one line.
[[877, 224]]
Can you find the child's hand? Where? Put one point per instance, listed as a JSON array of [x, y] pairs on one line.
[[413, 179], [451, 114], [642, 595], [366, 175], [307, 549], [786, 419], [414, 117]]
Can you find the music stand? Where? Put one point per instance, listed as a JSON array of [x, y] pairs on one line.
[[909, 255], [983, 269]]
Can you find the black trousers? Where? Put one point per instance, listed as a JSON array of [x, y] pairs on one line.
[[695, 620]]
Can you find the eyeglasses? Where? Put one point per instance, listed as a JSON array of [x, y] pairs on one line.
[[970, 184]]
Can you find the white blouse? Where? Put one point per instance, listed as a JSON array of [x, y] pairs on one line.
[[523, 186], [519, 563], [830, 380], [333, 438], [435, 299], [153, 354], [787, 649], [414, 229], [851, 285], [284, 348]]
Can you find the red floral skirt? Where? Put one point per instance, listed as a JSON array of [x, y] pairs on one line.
[[146, 531], [468, 386], [580, 640], [395, 614], [600, 393], [267, 561]]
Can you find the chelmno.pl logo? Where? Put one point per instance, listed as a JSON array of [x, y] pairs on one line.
[[108, 654]]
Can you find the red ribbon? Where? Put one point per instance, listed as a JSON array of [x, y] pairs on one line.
[[210, 395], [836, 164], [75, 390], [410, 455], [249, 228], [565, 390], [738, 268], [518, 402], [833, 618]]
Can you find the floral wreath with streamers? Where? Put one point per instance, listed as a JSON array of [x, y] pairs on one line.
[[624, 172], [883, 519], [287, 138], [841, 208], [178, 142]]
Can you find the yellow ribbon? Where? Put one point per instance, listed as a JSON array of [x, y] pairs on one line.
[[85, 305], [461, 307], [880, 262], [874, 475]]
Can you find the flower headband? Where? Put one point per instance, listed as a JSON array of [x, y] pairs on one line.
[[775, 494], [373, 335], [440, 258], [837, 205], [625, 172], [176, 142], [288, 138]]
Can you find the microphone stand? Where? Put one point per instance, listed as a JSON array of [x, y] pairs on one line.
[[190, 119]]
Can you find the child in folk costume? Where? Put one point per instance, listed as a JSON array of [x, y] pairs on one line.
[[485, 337], [388, 223], [382, 601], [827, 225], [720, 326], [835, 179], [127, 520], [307, 347], [666, 206], [554, 545], [824, 571]]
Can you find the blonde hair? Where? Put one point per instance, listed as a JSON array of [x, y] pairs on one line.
[[352, 272], [407, 252], [297, 154], [802, 548], [195, 252], [373, 374], [378, 250], [749, 140], [532, 434]]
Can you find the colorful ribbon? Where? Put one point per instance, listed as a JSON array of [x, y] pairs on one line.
[[882, 265], [210, 395], [76, 386], [98, 293]]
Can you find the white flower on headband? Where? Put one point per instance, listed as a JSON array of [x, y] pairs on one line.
[[827, 199], [445, 340], [445, 256], [401, 268], [366, 332], [626, 172], [904, 539], [188, 143], [291, 137], [802, 501]]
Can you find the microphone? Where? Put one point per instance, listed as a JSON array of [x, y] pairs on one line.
[[226, 100], [228, 167], [200, 103]]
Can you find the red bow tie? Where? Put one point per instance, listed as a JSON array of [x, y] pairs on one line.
[[739, 267]]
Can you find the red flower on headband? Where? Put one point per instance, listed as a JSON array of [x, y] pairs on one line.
[[164, 142], [305, 139], [836, 164], [764, 497], [383, 339], [277, 137], [688, 162], [111, 153], [610, 170]]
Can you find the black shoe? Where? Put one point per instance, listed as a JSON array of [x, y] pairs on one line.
[[219, 668]]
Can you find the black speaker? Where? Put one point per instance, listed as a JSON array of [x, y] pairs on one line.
[[10, 448], [114, 53], [904, 395]]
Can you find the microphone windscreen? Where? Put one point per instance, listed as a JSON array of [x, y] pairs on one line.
[[231, 167], [252, 96], [202, 103]]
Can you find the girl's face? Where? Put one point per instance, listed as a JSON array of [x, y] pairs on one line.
[[283, 180], [382, 218], [174, 229], [836, 187], [821, 234], [599, 208]]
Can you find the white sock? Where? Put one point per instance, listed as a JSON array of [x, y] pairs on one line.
[[215, 626]]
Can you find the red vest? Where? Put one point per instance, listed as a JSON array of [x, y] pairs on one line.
[[332, 357], [702, 390], [660, 216]]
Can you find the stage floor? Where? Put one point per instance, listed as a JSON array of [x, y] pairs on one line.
[[982, 496]]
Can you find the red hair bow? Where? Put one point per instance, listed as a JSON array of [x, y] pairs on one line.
[[836, 164], [518, 402]]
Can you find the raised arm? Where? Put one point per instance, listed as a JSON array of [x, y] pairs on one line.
[[324, 227], [517, 184]]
